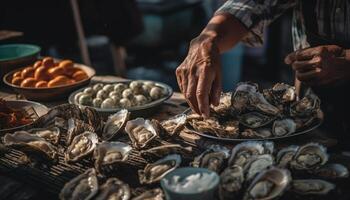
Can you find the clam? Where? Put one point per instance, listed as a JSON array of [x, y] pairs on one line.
[[76, 127], [158, 152], [231, 182], [141, 132], [84, 186], [107, 154], [156, 92], [255, 119], [114, 189], [114, 124], [213, 158], [283, 127], [309, 156], [268, 184], [312, 187], [257, 164], [286, 155], [81, 146], [242, 153], [31, 144], [50, 134], [332, 171], [154, 194], [153, 172]]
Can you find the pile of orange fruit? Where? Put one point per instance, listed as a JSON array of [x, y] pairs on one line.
[[48, 73]]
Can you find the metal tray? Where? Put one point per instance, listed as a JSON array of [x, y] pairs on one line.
[[305, 130], [136, 111]]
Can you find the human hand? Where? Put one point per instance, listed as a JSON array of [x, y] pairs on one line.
[[321, 65], [199, 75]]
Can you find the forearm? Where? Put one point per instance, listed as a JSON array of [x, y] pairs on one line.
[[225, 30]]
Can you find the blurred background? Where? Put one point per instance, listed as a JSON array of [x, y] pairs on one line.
[[140, 39]]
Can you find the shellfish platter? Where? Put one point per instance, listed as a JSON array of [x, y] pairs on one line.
[[83, 156], [250, 114]]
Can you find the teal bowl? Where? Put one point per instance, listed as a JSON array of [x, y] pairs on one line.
[[14, 56], [205, 194]]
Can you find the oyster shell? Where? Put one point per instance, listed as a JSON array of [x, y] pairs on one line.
[[141, 132], [51, 134], [309, 156], [241, 97], [256, 133], [332, 171], [114, 124], [76, 127], [269, 184], [242, 153], [81, 146], [280, 93], [231, 182], [31, 144], [307, 106], [312, 187], [155, 171], [255, 119], [84, 186], [174, 125], [155, 194], [107, 154], [283, 127], [257, 164], [224, 109], [286, 155], [114, 189], [158, 152], [258, 102], [213, 158]]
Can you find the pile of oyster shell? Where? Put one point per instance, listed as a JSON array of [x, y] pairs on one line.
[[120, 95], [248, 113]]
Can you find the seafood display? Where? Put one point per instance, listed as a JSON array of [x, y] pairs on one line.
[[120, 95], [248, 113], [10, 118]]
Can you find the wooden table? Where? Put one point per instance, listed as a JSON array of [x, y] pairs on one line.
[[14, 189]]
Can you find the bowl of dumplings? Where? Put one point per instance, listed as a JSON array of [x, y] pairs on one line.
[[140, 97]]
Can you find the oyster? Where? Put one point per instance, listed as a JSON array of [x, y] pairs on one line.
[[258, 102], [307, 106], [31, 144], [254, 120], [280, 93], [155, 171], [155, 194], [81, 146], [174, 125], [114, 189], [241, 97], [106, 154], [332, 171], [257, 164], [224, 109], [84, 186], [158, 152], [257, 133], [286, 155], [283, 127], [268, 184], [51, 134], [141, 132], [114, 124], [242, 153], [309, 156], [231, 182], [76, 127], [312, 187], [213, 158]]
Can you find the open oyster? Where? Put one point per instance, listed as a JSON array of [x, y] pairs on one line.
[[114, 124], [257, 164], [307, 106], [280, 93], [256, 133], [213, 158], [242, 153], [231, 182], [283, 127], [155, 171], [332, 171], [258, 102], [255, 119], [286, 155], [174, 125], [76, 127], [114, 189], [158, 152], [224, 109], [84, 186], [31, 144], [141, 132], [241, 97], [312, 187], [51, 134], [309, 156], [81, 146], [268, 184], [155, 194]]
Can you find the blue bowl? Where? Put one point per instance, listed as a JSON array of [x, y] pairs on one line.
[[184, 172]]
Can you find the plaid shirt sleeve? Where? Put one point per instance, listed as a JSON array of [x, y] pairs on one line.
[[255, 15]]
